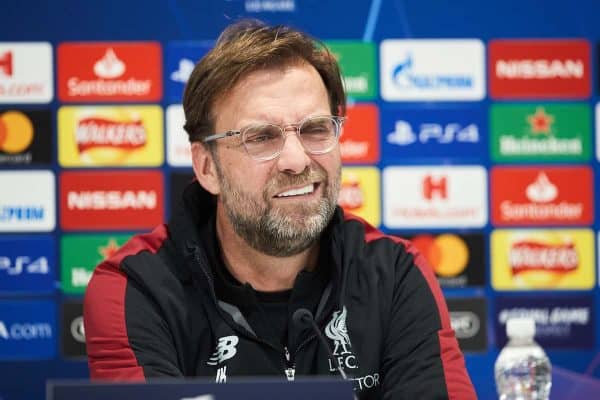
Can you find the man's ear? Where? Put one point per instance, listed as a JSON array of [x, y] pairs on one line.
[[204, 168]]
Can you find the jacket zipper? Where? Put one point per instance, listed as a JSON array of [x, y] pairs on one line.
[[290, 370], [289, 367]]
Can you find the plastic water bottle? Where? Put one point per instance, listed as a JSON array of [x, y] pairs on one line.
[[522, 370]]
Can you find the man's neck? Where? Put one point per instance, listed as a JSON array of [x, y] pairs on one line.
[[264, 272]]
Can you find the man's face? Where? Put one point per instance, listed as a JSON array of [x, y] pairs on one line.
[[280, 206]]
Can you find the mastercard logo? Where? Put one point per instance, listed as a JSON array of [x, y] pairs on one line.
[[448, 254], [16, 132]]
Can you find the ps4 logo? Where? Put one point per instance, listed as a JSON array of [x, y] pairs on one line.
[[24, 264], [404, 135]]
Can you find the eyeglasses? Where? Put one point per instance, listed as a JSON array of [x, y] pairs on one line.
[[318, 135]]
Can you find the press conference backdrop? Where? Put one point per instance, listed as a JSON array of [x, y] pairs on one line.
[[473, 129]]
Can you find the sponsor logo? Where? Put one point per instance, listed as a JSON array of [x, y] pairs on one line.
[[542, 259], [539, 69], [403, 133], [119, 200], [73, 331], [27, 264], [451, 196], [256, 6], [541, 132], [27, 201], [226, 349], [414, 70], [359, 142], [337, 331], [411, 133], [27, 330], [26, 74], [560, 322], [359, 193], [25, 137], [181, 58], [110, 136], [468, 318], [90, 72], [80, 254], [357, 64], [179, 153], [549, 196], [598, 131], [6, 64], [455, 259]]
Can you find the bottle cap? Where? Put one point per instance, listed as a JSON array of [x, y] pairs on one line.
[[520, 328]]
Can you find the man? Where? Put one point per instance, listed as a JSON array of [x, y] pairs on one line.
[[258, 236]]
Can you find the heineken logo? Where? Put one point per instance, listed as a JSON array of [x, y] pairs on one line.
[[545, 132]]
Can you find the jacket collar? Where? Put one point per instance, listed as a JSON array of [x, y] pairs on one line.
[[192, 221]]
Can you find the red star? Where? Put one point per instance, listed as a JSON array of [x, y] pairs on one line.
[[540, 122], [108, 250]]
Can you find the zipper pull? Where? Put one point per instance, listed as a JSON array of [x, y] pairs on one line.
[[290, 371]]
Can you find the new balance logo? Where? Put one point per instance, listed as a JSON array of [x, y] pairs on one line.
[[225, 350]]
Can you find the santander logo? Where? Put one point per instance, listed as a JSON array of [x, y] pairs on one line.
[[542, 190], [109, 66]]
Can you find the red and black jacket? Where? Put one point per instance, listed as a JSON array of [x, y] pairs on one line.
[[152, 310]]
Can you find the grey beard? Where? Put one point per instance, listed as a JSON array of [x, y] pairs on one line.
[[276, 232], [278, 235]]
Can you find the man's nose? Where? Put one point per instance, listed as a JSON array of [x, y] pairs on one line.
[[293, 158]]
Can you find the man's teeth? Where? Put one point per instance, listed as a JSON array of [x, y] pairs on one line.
[[295, 192]]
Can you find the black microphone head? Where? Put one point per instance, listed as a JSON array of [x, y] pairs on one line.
[[302, 318]]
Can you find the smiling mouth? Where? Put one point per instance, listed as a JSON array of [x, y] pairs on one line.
[[301, 191]]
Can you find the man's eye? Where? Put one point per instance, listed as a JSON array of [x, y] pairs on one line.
[[262, 136]]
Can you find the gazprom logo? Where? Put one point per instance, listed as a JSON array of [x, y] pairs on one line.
[[404, 76]]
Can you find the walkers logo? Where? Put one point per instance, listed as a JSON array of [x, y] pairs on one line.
[[433, 196], [359, 193], [540, 132], [27, 330], [542, 259], [179, 152], [73, 331], [468, 317], [337, 331], [110, 136], [181, 57], [118, 71], [563, 322], [539, 69], [27, 202], [359, 142], [542, 196], [357, 64], [416, 70], [27, 264], [25, 137], [80, 254], [418, 133], [111, 200], [26, 74], [457, 260]]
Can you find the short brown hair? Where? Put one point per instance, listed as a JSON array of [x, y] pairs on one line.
[[245, 47]]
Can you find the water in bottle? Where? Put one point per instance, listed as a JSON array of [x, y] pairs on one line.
[[522, 370]]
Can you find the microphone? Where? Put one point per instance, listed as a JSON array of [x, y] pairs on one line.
[[303, 318]]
